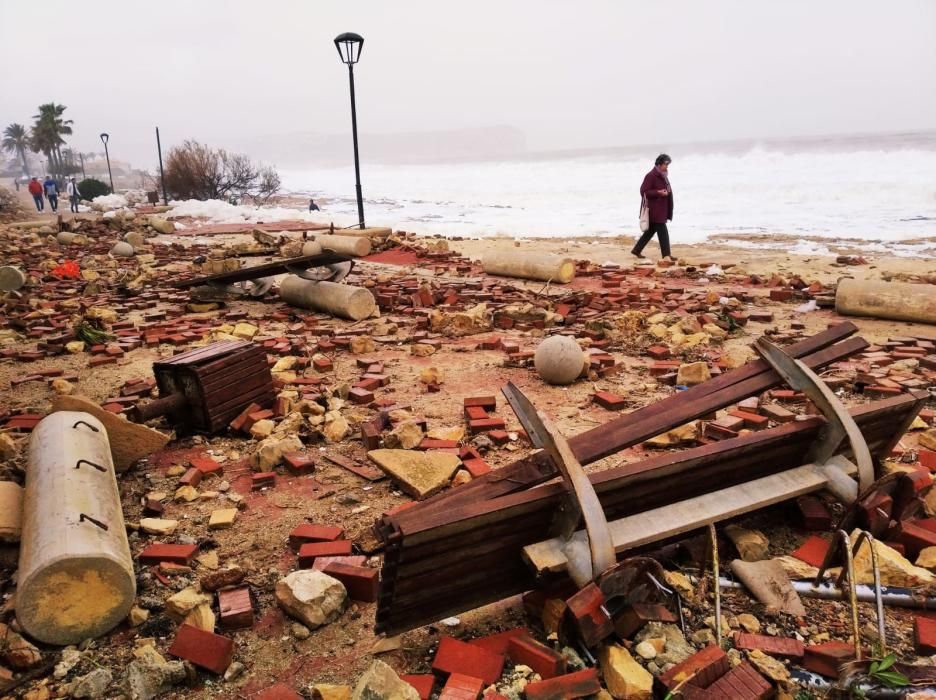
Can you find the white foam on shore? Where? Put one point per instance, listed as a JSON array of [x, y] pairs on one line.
[[885, 197], [216, 211]]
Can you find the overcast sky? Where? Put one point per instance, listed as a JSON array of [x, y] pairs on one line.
[[568, 74]]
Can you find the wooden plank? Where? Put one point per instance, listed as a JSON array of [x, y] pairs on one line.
[[549, 556], [362, 470], [277, 267], [197, 355]]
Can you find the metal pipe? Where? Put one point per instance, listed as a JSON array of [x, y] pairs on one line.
[[890, 595], [714, 537], [162, 175], [357, 165]]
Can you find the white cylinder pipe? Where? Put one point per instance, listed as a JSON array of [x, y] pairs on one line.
[[529, 266], [354, 246], [898, 301], [345, 301], [76, 577]]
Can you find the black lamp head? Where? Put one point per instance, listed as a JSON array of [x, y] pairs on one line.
[[104, 137], [349, 47]]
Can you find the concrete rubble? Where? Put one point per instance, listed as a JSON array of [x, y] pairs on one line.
[[256, 562]]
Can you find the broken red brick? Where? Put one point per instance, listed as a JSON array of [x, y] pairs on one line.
[[610, 401], [812, 551], [479, 426], [705, 667], [783, 647], [633, 617], [279, 691], [476, 467], [588, 613], [455, 656], [235, 608], [460, 686], [205, 649], [914, 538], [826, 658], [497, 643], [191, 477], [543, 660], [361, 582], [568, 687], [206, 465], [309, 551], [743, 682], [175, 553], [423, 683], [813, 513], [310, 532], [299, 464], [262, 479], [488, 403]]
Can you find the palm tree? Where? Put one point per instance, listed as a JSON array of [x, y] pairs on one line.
[[15, 138], [47, 133]]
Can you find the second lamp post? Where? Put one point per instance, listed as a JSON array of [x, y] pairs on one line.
[[104, 138], [349, 47]]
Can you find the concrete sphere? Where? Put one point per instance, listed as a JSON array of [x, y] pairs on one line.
[[559, 360]]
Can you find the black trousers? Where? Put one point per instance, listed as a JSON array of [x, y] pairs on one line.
[[662, 234]]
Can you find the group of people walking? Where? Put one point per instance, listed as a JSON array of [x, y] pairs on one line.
[[50, 190]]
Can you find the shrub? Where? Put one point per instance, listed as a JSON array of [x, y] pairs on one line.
[[91, 187], [196, 171]]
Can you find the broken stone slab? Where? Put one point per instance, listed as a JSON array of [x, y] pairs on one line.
[[380, 682], [271, 450], [692, 374], [129, 442], [624, 677], [686, 434], [92, 685], [312, 597], [150, 675], [420, 474], [895, 569], [752, 545], [11, 511], [185, 601], [769, 583], [158, 526]]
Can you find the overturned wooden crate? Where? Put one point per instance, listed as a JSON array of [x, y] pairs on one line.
[[202, 390], [492, 538]]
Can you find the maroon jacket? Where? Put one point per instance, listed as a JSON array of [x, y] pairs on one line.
[[661, 208]]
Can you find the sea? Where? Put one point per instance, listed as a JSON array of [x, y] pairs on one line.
[[875, 192]]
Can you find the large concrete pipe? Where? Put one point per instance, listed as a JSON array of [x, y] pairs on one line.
[[76, 577], [893, 300], [341, 300], [352, 246], [529, 266]]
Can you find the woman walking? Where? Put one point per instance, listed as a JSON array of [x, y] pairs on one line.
[[659, 196]]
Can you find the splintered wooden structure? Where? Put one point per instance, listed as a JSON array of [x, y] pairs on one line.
[[489, 539], [205, 389]]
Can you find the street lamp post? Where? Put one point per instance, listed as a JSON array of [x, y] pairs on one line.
[[81, 158], [104, 139], [349, 47], [162, 175]]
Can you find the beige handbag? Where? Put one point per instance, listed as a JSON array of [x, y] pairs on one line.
[[644, 214]]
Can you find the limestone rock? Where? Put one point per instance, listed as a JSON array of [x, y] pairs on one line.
[[646, 650], [16, 651], [737, 356], [336, 429], [270, 452], [150, 674], [225, 577], [62, 386], [186, 493], [749, 623], [431, 375], [406, 436], [928, 439], [262, 429], [693, 373], [324, 691], [380, 682], [676, 649], [92, 685], [202, 617], [624, 677], [926, 558], [137, 616], [312, 597], [222, 518], [164, 226], [752, 545], [419, 474], [245, 331], [460, 323], [362, 344], [795, 568], [129, 442], [11, 511], [895, 569], [683, 435], [8, 447], [769, 666], [75, 346], [421, 349], [185, 601], [158, 526]]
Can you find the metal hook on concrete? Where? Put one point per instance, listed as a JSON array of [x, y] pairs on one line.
[[84, 422], [85, 461], [94, 521]]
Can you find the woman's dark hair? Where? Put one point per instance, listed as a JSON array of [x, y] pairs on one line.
[[663, 158]]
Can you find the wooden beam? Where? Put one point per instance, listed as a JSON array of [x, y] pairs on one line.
[[277, 267]]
